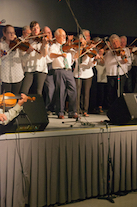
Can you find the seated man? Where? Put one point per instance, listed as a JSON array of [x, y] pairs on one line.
[[8, 116]]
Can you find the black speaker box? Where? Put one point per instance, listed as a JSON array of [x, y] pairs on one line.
[[32, 118], [124, 110]]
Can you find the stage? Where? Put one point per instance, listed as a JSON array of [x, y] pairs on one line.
[[66, 162]]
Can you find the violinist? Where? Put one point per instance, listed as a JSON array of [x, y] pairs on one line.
[[112, 68], [134, 69], [25, 32], [101, 86], [63, 76], [85, 73], [128, 84], [11, 67], [49, 86], [8, 116], [35, 63]]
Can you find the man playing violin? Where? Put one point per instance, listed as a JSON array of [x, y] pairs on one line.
[[35, 63], [49, 86], [25, 31], [63, 76], [111, 59], [8, 116]]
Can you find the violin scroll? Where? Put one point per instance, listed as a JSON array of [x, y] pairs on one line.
[[31, 98]]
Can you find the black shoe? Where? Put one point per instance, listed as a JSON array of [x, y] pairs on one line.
[[74, 116], [95, 111]]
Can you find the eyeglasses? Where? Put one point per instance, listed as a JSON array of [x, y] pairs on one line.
[[12, 33]]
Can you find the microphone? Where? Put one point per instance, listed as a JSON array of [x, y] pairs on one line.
[[2, 21], [105, 38]]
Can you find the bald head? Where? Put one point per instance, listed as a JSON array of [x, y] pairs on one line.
[[60, 35]]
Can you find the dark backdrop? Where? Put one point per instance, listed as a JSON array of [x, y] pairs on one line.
[[101, 17]]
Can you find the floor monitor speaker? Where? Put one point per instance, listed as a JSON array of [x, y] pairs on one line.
[[124, 110]]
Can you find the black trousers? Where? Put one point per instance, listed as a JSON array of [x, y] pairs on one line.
[[11, 87], [93, 91], [102, 94], [113, 87], [65, 85], [49, 89]]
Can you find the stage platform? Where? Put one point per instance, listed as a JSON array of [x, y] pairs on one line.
[[67, 161], [95, 123]]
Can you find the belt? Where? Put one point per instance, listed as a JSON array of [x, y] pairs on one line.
[[67, 69]]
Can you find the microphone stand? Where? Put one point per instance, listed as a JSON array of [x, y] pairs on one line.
[[79, 30], [118, 66], [78, 95], [109, 168]]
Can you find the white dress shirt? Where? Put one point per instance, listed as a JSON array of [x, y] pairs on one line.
[[59, 61], [33, 61], [111, 64], [85, 68], [11, 65]]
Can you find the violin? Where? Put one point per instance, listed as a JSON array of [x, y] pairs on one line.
[[9, 99], [133, 50], [68, 45], [39, 38], [121, 52], [90, 53], [17, 43], [51, 41], [89, 49], [118, 52]]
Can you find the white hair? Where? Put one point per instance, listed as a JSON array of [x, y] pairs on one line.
[[124, 37], [114, 36], [25, 28], [57, 32]]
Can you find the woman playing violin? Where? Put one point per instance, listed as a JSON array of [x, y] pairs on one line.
[[128, 84], [85, 72], [11, 67], [35, 63], [112, 68]]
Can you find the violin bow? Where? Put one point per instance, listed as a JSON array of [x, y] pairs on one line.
[[15, 46], [132, 42], [40, 35], [3, 103], [90, 48]]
